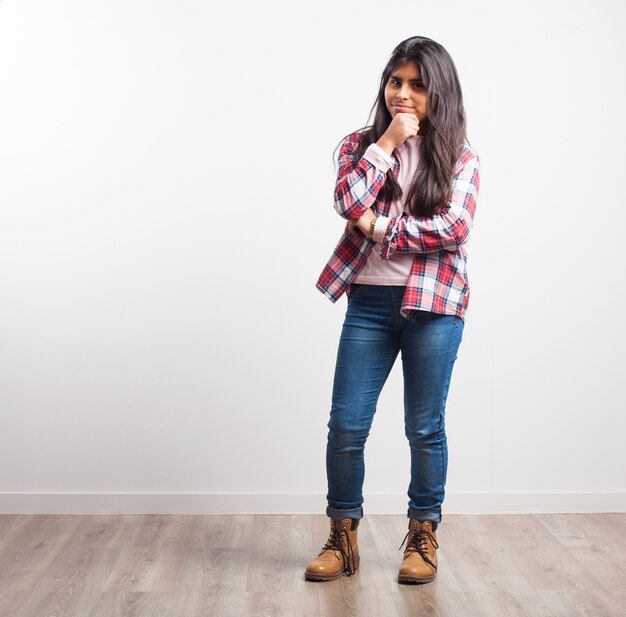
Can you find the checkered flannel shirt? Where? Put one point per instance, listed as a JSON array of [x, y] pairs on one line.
[[438, 278]]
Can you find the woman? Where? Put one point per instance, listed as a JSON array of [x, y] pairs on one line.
[[407, 185]]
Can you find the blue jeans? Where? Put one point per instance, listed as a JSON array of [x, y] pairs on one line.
[[373, 333]]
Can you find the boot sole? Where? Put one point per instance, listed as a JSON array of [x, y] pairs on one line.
[[403, 578], [312, 576]]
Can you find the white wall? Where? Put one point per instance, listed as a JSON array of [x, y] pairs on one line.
[[166, 181]]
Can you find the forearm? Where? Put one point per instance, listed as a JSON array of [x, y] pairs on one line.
[[409, 234], [359, 182], [445, 231]]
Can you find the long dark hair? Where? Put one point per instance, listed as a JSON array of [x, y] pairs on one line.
[[443, 131]]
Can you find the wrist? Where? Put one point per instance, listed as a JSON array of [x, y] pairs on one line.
[[364, 222], [386, 145], [371, 226]]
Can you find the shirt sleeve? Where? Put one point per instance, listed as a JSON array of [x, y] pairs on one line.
[[445, 231], [378, 157], [359, 182]]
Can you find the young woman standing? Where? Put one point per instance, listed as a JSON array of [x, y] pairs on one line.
[[407, 185]]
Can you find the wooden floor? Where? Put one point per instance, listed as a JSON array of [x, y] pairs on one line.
[[253, 565]]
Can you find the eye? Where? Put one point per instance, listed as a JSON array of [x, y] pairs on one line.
[[394, 82]]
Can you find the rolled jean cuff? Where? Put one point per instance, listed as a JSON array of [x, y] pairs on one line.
[[424, 516], [339, 515]]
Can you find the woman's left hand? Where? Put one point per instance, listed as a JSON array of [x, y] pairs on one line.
[[350, 227], [363, 223]]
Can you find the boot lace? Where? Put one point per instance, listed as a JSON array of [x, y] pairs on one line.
[[419, 543], [335, 543]]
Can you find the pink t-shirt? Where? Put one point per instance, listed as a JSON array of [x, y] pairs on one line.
[[396, 269]]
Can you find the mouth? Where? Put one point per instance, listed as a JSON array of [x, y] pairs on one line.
[[403, 107]]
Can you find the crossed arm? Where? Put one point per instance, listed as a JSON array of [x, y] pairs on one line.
[[359, 182]]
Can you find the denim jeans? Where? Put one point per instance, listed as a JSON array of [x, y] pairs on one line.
[[372, 335]]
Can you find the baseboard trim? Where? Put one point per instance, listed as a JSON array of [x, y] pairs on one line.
[[299, 503]]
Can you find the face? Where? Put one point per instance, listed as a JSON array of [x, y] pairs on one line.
[[404, 91]]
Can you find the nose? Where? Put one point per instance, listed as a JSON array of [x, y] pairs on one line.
[[404, 92]]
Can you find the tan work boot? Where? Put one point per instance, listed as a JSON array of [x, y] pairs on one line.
[[420, 556], [340, 553]]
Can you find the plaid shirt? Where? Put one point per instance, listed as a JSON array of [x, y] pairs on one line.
[[438, 278]]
